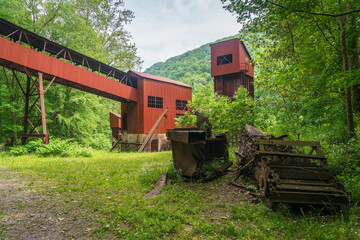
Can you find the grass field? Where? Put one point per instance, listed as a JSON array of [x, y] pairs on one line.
[[103, 197]]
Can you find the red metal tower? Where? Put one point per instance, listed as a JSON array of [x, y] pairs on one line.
[[231, 67]]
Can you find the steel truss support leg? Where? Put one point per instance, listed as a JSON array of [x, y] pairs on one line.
[[32, 87]]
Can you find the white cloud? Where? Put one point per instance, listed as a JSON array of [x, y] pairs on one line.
[[165, 28]]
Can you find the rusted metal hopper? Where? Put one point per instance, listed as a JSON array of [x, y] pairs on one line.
[[198, 154]]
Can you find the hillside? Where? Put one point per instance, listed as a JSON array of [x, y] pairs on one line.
[[192, 67]]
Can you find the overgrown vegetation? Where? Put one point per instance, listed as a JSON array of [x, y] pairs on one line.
[[56, 148], [344, 160], [225, 115], [109, 189]]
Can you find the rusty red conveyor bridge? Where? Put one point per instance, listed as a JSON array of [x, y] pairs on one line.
[[41, 59]]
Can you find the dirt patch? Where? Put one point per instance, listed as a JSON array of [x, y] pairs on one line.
[[26, 212]]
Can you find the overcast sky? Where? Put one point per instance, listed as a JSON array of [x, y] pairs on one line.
[[165, 28]]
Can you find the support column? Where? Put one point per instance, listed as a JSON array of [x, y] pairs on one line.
[[36, 120], [26, 113], [219, 85], [42, 108]]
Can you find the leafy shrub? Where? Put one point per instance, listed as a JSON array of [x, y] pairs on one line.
[[100, 141], [63, 148], [30, 147], [18, 150], [225, 115], [56, 147], [344, 160]]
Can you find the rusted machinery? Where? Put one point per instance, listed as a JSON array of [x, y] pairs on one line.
[[196, 153], [290, 172]]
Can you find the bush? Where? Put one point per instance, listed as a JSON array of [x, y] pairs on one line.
[[56, 147], [225, 115], [344, 160], [100, 141], [18, 150], [30, 147]]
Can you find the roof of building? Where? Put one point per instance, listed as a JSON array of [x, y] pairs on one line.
[[116, 114], [160, 79]]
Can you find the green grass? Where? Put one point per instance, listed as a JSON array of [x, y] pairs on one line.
[[109, 188]]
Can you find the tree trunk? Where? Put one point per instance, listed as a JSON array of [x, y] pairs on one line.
[[356, 98], [354, 62], [14, 126], [348, 106]]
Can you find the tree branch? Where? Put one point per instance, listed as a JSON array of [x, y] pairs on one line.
[[313, 13], [327, 40]]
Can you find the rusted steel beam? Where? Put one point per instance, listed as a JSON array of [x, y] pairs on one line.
[[33, 126], [42, 103], [153, 129], [45, 137], [26, 112], [27, 39], [12, 33], [52, 80], [17, 80], [116, 143], [29, 75], [34, 104]]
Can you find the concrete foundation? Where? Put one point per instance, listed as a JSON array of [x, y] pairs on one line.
[[157, 143]]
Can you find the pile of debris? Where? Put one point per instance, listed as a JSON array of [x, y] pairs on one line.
[[287, 171]]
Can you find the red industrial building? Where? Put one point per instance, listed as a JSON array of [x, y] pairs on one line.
[[231, 67], [146, 100], [155, 95]]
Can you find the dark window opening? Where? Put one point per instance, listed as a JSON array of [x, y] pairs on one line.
[[124, 121], [226, 59], [155, 102], [179, 115], [181, 105]]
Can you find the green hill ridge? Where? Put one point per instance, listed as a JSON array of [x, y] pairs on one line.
[[192, 67]]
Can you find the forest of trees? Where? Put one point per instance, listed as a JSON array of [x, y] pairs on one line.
[[93, 28], [307, 75], [306, 57]]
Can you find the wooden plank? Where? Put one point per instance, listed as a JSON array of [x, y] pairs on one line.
[[286, 142], [242, 168], [284, 181], [152, 131], [304, 175], [309, 198], [117, 142], [130, 143], [287, 154], [310, 188]]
